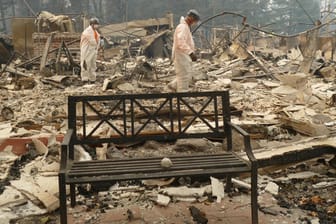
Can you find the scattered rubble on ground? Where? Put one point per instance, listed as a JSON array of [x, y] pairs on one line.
[[274, 101]]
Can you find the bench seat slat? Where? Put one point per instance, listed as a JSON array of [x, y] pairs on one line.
[[163, 174], [85, 165], [176, 158], [154, 168], [151, 159], [186, 159], [127, 166], [152, 165], [156, 162]]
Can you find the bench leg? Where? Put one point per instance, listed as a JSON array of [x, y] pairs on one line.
[[62, 198], [228, 185], [73, 194], [254, 195]]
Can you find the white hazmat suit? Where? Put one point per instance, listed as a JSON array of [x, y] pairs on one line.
[[88, 53], [183, 46]]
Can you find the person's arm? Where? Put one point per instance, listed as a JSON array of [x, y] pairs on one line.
[[193, 56], [182, 33]]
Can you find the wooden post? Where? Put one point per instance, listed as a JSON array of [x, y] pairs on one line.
[[13, 8], [4, 27], [333, 47], [309, 50], [170, 17], [46, 51]]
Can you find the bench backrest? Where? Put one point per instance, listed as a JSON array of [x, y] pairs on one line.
[[135, 117]]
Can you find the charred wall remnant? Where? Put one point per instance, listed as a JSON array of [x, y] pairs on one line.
[[6, 49], [48, 22], [22, 31], [40, 39], [159, 45]]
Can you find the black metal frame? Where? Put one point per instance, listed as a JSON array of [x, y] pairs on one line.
[[135, 100], [167, 126]]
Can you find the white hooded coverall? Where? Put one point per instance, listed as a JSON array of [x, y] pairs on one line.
[[88, 52], [183, 46]]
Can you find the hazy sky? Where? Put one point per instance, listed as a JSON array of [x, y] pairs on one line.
[[325, 3]]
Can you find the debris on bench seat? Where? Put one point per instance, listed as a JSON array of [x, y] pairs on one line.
[[166, 163]]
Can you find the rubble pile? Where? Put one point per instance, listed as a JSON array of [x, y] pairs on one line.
[[308, 186], [276, 103]]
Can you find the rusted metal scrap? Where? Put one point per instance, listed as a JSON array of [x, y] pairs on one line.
[[7, 113]]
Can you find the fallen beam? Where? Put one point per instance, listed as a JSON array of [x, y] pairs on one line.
[[298, 152], [45, 52], [38, 57]]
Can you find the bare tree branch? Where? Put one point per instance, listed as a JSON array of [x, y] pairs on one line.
[[289, 36]]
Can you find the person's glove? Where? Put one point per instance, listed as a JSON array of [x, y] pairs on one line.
[[101, 42], [84, 65], [193, 56]]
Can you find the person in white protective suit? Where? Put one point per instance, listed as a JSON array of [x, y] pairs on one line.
[[89, 46], [183, 53]]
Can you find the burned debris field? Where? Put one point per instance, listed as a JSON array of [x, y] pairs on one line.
[[253, 140]]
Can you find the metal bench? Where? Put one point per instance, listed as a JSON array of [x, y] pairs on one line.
[[161, 117]]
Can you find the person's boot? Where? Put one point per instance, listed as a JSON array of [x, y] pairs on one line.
[[171, 87]]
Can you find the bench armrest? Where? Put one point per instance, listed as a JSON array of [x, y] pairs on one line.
[[247, 142], [65, 150]]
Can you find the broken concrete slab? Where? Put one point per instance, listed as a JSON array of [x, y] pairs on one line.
[[270, 84], [40, 191], [7, 159], [5, 130], [272, 188], [7, 155], [284, 90], [11, 197], [297, 81], [217, 189], [162, 200], [40, 147], [185, 191], [41, 166], [25, 210]]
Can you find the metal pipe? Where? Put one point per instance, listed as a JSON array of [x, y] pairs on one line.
[[220, 14]]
